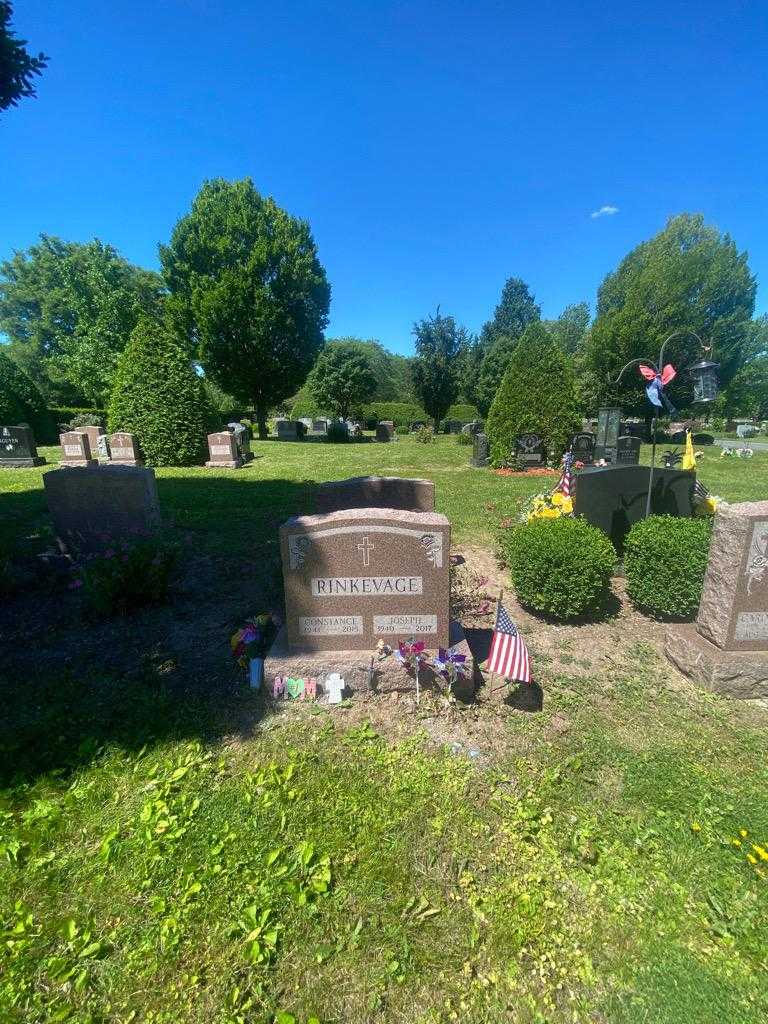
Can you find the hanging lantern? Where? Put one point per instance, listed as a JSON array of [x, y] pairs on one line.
[[704, 379]]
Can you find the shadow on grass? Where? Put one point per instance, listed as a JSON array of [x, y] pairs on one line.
[[70, 687]]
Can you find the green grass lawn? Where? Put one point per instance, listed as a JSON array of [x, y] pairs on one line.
[[173, 855]]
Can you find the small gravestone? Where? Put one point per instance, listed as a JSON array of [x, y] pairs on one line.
[[475, 427], [628, 450], [608, 427], [480, 450], [417, 425], [385, 430], [223, 451], [726, 650], [334, 686], [529, 449], [746, 430], [75, 449], [376, 492], [613, 498], [17, 448], [94, 507], [290, 430], [319, 426], [306, 421], [243, 440], [94, 433], [583, 447], [124, 449]]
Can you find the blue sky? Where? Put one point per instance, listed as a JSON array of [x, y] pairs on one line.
[[435, 148]]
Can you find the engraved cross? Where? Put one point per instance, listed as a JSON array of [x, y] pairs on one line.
[[366, 548]]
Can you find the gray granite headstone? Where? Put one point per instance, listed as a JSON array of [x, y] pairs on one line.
[[385, 430], [480, 450], [627, 449], [94, 506], [583, 447]]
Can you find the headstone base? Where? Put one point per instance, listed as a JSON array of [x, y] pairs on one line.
[[235, 464], [389, 675], [739, 674], [22, 463]]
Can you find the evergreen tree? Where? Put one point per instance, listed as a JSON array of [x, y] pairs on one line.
[[18, 67], [437, 370], [536, 394], [517, 309], [159, 397]]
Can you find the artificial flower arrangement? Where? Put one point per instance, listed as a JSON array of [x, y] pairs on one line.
[[547, 506], [743, 453], [251, 643]]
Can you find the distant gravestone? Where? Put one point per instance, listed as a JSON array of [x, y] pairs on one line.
[[125, 449], [243, 440], [608, 432], [354, 576], [103, 449], [746, 430], [613, 498], [628, 449], [290, 430], [480, 450], [583, 447], [306, 421], [529, 449], [17, 448], [75, 449], [94, 433], [385, 430], [475, 427], [319, 426], [93, 507], [727, 649], [376, 492], [222, 451]]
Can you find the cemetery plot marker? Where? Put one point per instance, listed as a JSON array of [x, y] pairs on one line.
[[17, 448], [76, 449]]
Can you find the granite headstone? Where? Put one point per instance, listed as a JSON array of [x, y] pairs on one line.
[[529, 449], [125, 449], [385, 430], [223, 451], [480, 450], [628, 449], [75, 449], [583, 447], [17, 448]]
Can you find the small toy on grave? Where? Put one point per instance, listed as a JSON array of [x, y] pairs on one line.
[[295, 688], [310, 690], [451, 667], [334, 686], [278, 688], [383, 650], [250, 645]]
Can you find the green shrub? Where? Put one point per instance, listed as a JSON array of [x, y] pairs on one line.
[[402, 430], [425, 435], [464, 412], [665, 558], [21, 402], [464, 439], [306, 405], [536, 394], [718, 424], [158, 396], [402, 414], [561, 567], [126, 576]]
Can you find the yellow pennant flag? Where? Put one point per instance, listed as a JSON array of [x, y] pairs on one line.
[[689, 459]]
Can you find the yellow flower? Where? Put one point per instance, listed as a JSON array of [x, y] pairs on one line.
[[558, 498], [751, 858], [743, 833], [549, 513], [567, 505], [695, 826], [735, 842], [760, 851]]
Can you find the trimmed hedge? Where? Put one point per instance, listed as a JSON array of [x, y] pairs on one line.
[[464, 412], [561, 567], [158, 396], [402, 414], [665, 558], [21, 402]]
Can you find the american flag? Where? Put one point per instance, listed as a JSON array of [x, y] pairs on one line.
[[565, 483], [700, 492], [508, 656]]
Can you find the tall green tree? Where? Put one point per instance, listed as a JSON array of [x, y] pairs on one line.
[[342, 378], [517, 309], [21, 402], [18, 68], [537, 394], [571, 327], [440, 347], [68, 309], [248, 292], [159, 397], [689, 276]]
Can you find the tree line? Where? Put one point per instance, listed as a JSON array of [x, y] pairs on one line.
[[242, 300]]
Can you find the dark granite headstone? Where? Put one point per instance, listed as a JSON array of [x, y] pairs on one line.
[[413, 495], [529, 449], [242, 439], [17, 448], [583, 447], [608, 427], [385, 430], [613, 497], [628, 449], [480, 450], [290, 430]]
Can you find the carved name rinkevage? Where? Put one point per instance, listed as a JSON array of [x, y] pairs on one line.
[[366, 586]]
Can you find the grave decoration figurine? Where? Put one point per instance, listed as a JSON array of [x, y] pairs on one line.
[[658, 375], [310, 690], [411, 655], [451, 667], [251, 643], [278, 688], [295, 688], [334, 686]]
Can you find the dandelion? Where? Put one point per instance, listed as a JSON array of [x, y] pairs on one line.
[[752, 858], [761, 852], [735, 842], [695, 826], [743, 833]]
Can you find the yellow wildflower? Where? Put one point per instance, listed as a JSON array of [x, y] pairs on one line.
[[743, 833], [735, 842], [752, 858], [761, 852], [695, 826]]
